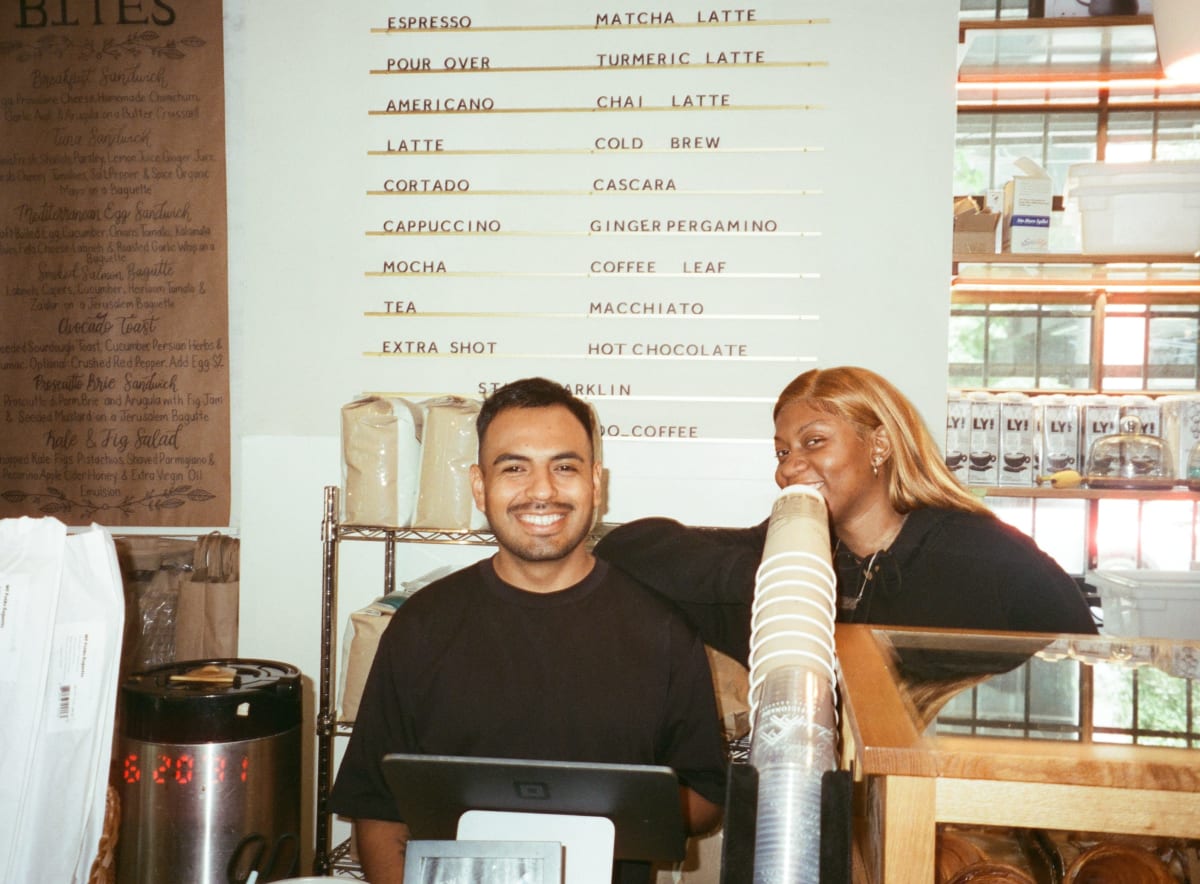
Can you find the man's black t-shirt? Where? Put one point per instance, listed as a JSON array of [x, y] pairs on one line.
[[603, 671]]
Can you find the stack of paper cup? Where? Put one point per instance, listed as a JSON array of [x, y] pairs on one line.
[[794, 744], [795, 720], [799, 527], [795, 591], [793, 738]]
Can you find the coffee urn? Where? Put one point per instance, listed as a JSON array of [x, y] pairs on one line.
[[209, 772]]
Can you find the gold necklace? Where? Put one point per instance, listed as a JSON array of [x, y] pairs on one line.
[[851, 604]]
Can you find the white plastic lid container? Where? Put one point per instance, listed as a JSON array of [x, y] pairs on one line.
[[1147, 603], [1148, 208]]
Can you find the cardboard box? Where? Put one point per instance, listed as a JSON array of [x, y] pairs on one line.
[[975, 233], [1146, 603], [1028, 200]]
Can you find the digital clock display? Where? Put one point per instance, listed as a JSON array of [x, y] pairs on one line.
[[183, 769]]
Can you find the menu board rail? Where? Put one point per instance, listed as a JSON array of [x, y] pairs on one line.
[[638, 195]]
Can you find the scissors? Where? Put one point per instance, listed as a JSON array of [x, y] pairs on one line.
[[246, 863]]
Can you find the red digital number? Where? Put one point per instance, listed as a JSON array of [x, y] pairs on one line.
[[182, 769], [164, 767], [132, 772]]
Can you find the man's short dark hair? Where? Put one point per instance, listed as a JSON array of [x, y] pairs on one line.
[[533, 393]]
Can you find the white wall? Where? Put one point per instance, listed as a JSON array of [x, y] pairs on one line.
[[293, 140]]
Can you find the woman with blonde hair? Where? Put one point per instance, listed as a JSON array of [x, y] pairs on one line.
[[912, 547], [918, 476]]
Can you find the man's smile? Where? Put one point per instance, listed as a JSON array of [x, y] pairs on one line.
[[540, 518]]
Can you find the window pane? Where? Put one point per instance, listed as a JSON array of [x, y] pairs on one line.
[[1167, 535], [1130, 137], [1162, 706], [1066, 353], [994, 9], [1178, 135], [1071, 138], [1017, 136], [1117, 535], [988, 146], [1124, 353], [1012, 352], [1113, 692], [1172, 354], [1060, 528], [1021, 346], [973, 154], [1002, 697], [1054, 693], [966, 350]]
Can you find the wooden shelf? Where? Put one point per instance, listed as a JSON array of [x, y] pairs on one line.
[[1062, 258], [1033, 294], [1035, 51], [1065, 21], [1043, 492], [1075, 278]]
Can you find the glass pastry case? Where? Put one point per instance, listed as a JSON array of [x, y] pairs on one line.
[[1094, 733]]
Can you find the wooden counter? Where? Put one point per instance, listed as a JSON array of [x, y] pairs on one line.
[[1057, 769]]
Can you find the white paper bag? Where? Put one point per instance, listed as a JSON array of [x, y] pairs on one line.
[[448, 449], [31, 563], [60, 815], [381, 459]]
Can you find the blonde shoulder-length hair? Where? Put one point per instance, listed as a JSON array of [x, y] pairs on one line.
[[918, 476]]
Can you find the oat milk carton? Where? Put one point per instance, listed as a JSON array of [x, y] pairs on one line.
[[1146, 410], [1058, 433], [1099, 416], [1017, 439], [984, 453], [958, 433], [1180, 428]]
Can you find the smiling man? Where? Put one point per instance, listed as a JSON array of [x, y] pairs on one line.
[[538, 483], [539, 652]]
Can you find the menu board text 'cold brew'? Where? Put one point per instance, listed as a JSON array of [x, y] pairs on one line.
[[627, 202]]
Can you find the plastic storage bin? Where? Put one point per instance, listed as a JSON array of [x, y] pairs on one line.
[[1159, 604], [1148, 208]]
